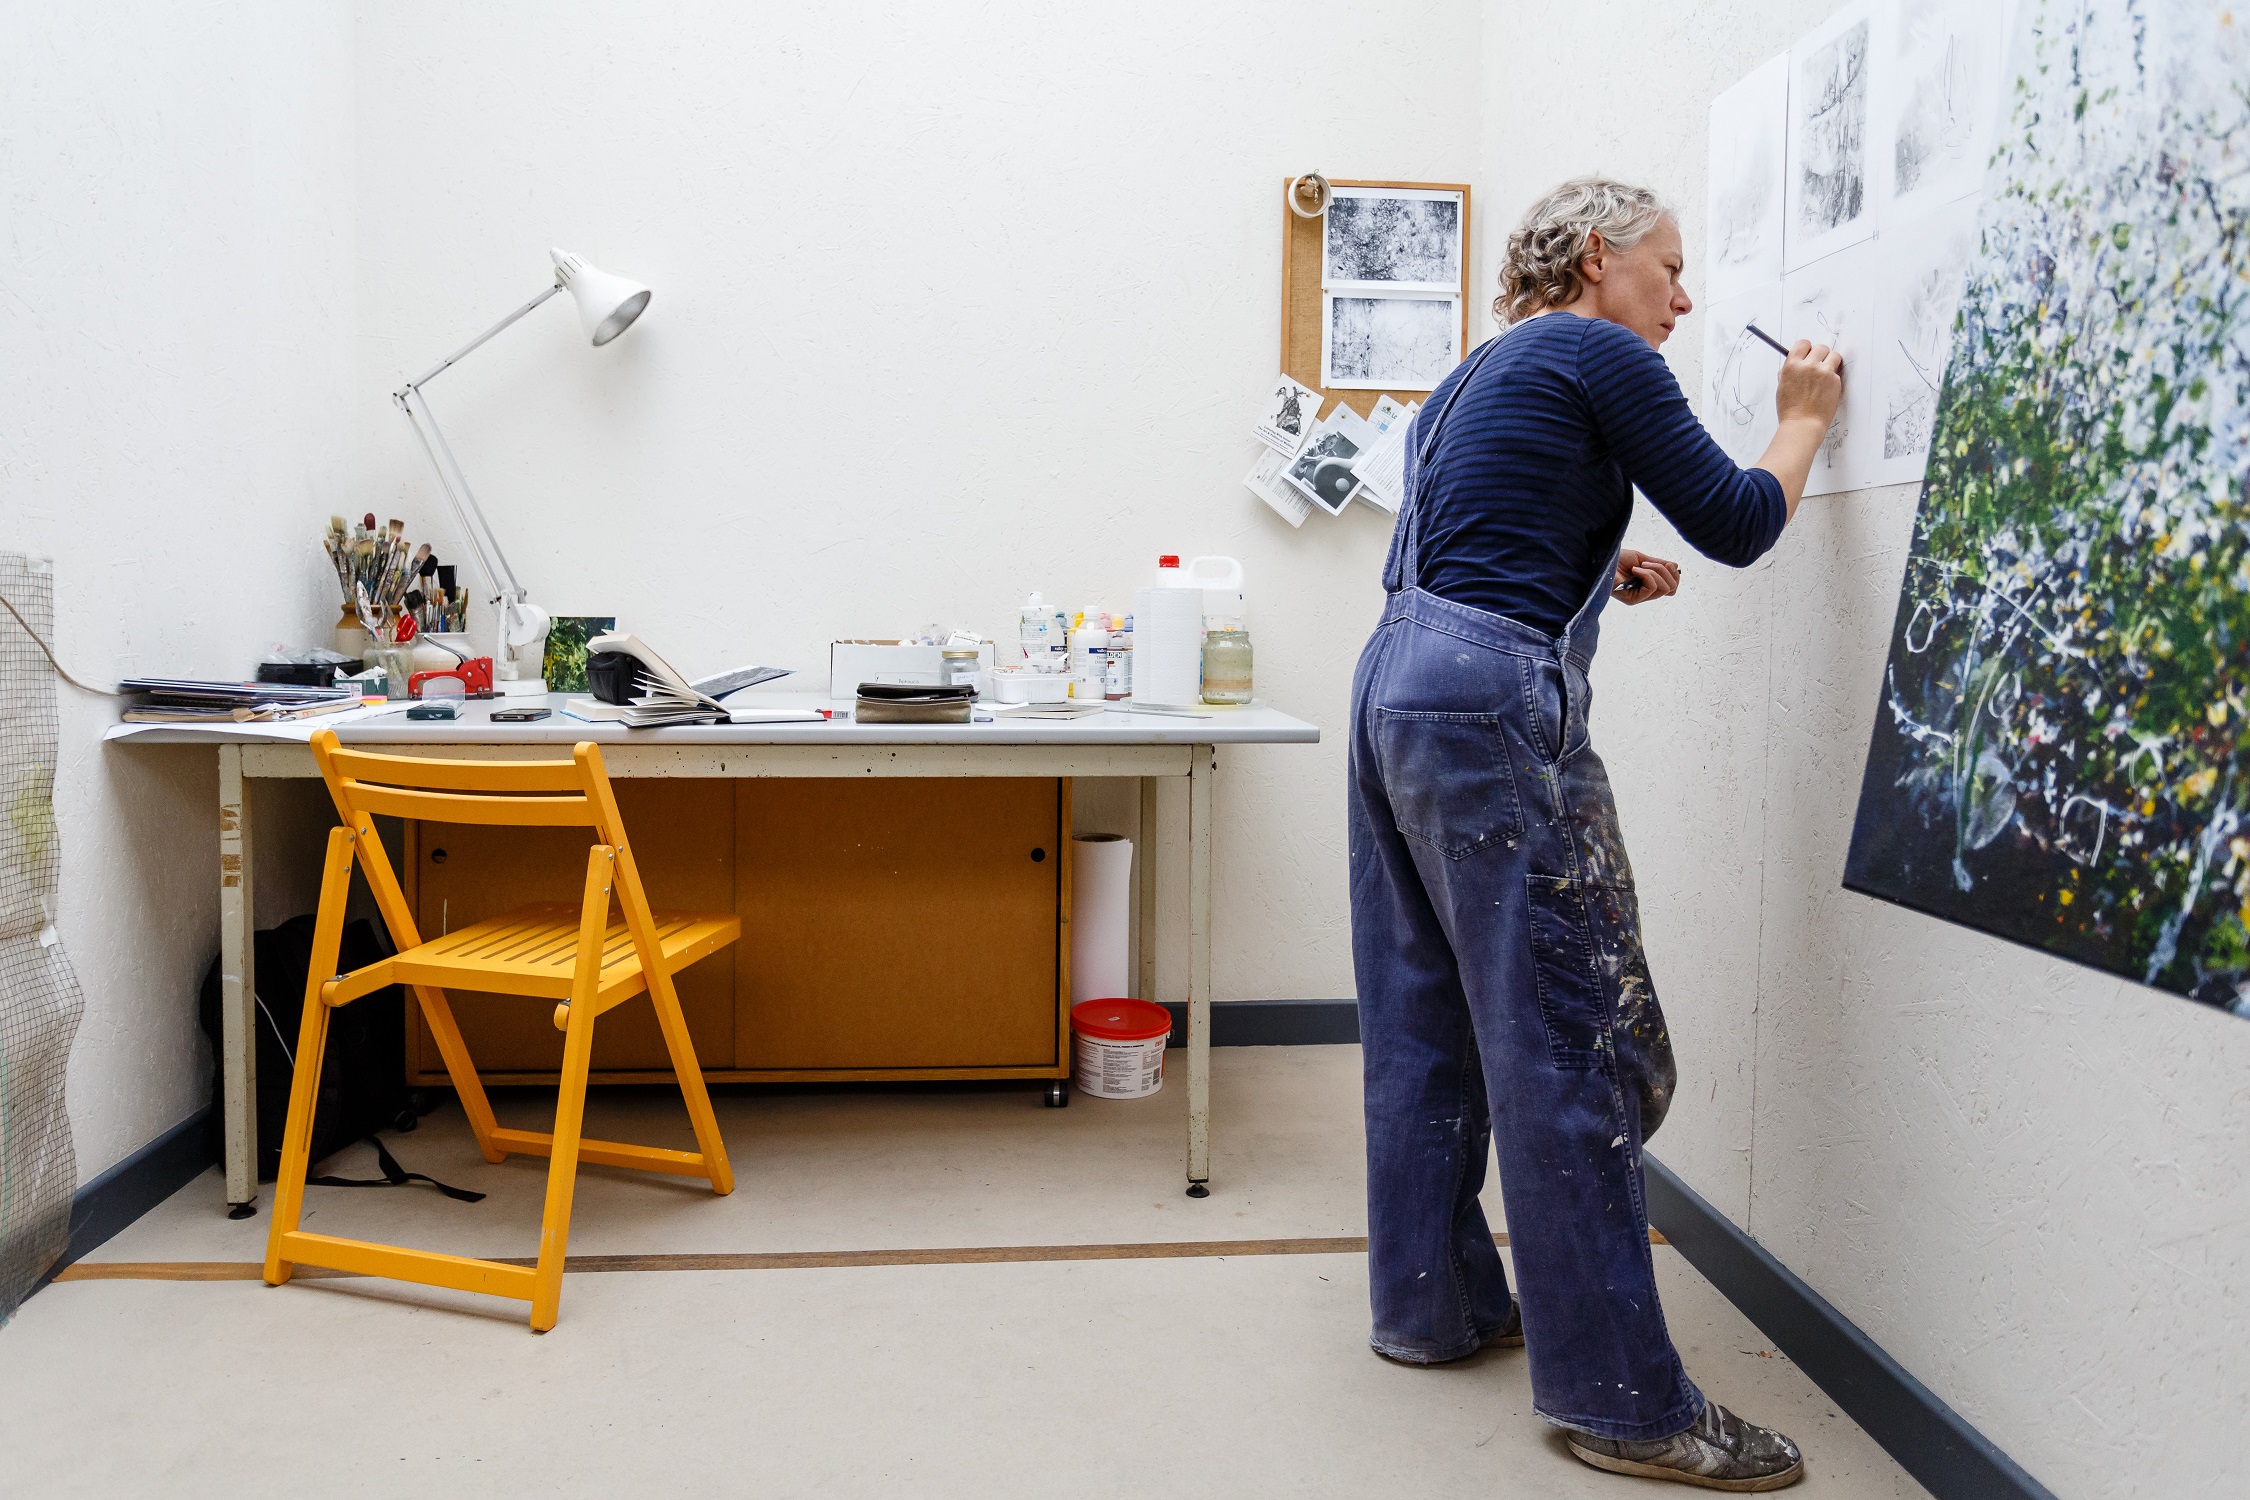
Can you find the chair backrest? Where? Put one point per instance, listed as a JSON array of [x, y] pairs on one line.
[[572, 793]]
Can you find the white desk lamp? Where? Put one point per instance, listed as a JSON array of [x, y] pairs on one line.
[[607, 306]]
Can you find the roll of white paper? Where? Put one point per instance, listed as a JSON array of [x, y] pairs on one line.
[[1168, 646], [1101, 905]]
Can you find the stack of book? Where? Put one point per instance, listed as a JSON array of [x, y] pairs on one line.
[[174, 700]]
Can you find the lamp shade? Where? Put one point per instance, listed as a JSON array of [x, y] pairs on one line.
[[607, 305]]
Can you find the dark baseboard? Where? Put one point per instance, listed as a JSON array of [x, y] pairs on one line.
[[1274, 1023], [1929, 1439], [135, 1185]]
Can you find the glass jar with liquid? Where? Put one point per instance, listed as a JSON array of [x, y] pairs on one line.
[[1226, 665]]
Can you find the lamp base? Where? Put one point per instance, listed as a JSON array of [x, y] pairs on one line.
[[532, 687]]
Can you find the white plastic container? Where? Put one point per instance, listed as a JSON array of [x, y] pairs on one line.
[[1117, 1047], [1225, 606], [1040, 630], [1010, 686], [1168, 639]]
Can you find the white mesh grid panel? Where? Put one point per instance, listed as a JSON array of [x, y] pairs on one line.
[[39, 999]]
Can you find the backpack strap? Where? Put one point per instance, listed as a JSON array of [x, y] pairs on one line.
[[394, 1175]]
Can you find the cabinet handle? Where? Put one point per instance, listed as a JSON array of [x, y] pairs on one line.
[[1038, 855], [437, 856]]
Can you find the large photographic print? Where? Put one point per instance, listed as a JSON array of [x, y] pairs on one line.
[[1397, 238], [2061, 755]]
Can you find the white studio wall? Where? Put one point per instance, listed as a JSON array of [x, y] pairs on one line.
[[2022, 1178], [950, 303], [175, 357]]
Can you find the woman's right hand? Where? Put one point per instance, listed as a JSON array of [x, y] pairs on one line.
[[1811, 385]]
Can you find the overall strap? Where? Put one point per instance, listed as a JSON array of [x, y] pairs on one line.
[[1403, 569]]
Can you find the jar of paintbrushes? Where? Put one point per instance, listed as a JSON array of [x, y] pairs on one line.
[[376, 570]]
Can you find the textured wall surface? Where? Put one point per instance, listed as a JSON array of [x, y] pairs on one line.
[[951, 302], [2024, 1179], [175, 347]]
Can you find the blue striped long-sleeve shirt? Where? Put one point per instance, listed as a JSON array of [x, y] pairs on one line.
[[1531, 481]]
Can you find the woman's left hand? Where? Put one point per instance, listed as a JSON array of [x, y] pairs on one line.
[[1641, 578]]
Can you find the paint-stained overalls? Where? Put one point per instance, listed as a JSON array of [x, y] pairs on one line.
[[1503, 995]]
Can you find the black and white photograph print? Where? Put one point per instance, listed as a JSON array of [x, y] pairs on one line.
[[1831, 202], [1323, 472], [1289, 413], [1388, 343], [1392, 238]]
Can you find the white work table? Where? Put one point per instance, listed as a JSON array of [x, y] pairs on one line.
[[1114, 743]]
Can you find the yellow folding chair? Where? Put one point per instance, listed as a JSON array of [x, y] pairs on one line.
[[574, 955]]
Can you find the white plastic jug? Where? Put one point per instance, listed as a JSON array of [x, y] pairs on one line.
[[1224, 604]]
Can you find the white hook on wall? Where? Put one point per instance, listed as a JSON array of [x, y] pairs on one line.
[[1308, 195]]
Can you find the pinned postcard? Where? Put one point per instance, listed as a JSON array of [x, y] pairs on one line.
[[1322, 473], [1288, 415], [1381, 469], [1266, 482]]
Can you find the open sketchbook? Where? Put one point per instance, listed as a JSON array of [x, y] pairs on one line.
[[662, 696]]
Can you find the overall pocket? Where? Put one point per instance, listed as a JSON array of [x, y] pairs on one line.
[[1449, 779], [1572, 999]]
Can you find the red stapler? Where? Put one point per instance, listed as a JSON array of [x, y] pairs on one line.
[[474, 674]]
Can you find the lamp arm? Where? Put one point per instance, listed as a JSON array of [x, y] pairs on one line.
[[472, 345], [492, 563]]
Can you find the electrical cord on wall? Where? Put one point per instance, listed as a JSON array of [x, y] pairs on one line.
[[49, 652]]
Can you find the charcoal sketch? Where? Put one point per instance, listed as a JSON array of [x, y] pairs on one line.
[[1829, 205], [1394, 238], [1388, 343], [1740, 371], [1832, 302], [1918, 291], [1937, 86], [1749, 127]]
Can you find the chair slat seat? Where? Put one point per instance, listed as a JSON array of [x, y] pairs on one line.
[[533, 950]]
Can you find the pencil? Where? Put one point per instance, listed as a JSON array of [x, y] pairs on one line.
[[1768, 339]]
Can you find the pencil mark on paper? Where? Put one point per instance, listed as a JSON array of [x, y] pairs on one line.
[[1831, 134], [1923, 266], [1937, 87], [1740, 372], [1749, 124]]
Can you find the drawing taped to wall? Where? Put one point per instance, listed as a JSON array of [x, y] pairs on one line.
[[2061, 752], [1395, 239], [1388, 343], [1935, 98], [1918, 286], [1747, 183], [1829, 205], [1740, 371], [1832, 302]]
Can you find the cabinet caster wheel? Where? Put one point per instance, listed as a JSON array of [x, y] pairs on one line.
[[1198, 1190], [1058, 1094]]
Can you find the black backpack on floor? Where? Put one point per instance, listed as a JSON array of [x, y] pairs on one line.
[[363, 1074]]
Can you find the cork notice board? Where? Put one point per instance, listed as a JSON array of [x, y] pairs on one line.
[[1301, 299]]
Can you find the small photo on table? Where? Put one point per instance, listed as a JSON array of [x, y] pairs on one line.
[[564, 665]]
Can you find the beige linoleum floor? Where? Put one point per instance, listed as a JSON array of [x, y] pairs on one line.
[[1237, 1375]]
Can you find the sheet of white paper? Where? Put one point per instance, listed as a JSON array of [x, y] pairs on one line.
[[1378, 343], [1739, 372], [1289, 413], [1749, 136], [1391, 240], [1832, 302], [1917, 290], [1830, 204], [1381, 469], [1935, 101], [1322, 473], [1264, 480]]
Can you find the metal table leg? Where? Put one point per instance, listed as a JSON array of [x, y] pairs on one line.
[[238, 987], [1199, 970]]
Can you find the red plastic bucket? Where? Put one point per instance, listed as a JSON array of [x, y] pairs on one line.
[[1117, 1047]]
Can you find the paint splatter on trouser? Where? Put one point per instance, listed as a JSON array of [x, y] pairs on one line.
[[1504, 997]]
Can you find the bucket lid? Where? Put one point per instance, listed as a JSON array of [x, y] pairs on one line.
[[1121, 1020]]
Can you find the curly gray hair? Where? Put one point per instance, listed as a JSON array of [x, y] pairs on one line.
[[1540, 268]]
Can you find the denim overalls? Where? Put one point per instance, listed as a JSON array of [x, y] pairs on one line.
[[1497, 946]]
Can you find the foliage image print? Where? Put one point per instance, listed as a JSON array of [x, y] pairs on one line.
[[2061, 755]]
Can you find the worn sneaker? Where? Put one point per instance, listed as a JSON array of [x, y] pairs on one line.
[[1720, 1452]]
